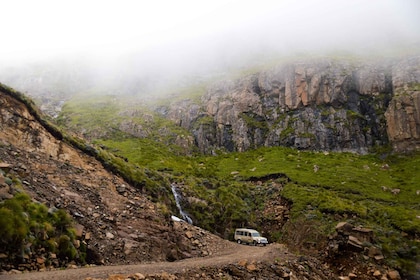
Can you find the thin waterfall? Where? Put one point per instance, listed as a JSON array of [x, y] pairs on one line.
[[177, 197]]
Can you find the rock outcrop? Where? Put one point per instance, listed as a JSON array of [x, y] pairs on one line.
[[318, 105], [403, 112]]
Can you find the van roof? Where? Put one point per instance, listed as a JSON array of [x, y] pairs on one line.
[[246, 229]]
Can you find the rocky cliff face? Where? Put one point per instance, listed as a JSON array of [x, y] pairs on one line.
[[403, 112], [317, 105]]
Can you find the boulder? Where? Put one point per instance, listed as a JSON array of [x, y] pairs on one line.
[[121, 189], [394, 275], [375, 253], [352, 238], [189, 234], [251, 267], [130, 246], [355, 243], [79, 230], [5, 166], [377, 274], [344, 227]]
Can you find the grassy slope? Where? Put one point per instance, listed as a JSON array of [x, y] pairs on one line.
[[344, 183], [348, 185], [91, 112]]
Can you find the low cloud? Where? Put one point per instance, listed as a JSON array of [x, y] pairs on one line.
[[172, 38]]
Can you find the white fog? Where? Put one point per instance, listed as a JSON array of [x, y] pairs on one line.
[[158, 41]]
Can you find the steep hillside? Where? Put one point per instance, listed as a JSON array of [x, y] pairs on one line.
[[321, 104], [110, 222]]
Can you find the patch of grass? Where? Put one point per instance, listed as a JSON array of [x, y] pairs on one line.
[[286, 132], [254, 121], [203, 121], [146, 152], [345, 173], [352, 115], [91, 114], [414, 86], [354, 187], [193, 92], [27, 225]]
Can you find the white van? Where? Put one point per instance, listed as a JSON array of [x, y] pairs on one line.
[[249, 236]]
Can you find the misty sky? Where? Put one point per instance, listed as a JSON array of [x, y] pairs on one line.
[[107, 28]]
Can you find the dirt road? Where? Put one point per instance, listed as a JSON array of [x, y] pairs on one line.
[[233, 254]]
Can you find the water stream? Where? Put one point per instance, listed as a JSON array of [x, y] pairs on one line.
[[178, 198]]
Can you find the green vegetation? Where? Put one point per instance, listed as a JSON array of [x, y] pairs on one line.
[[286, 132], [415, 87], [108, 117], [406, 90], [92, 113], [254, 121], [345, 185], [205, 120], [192, 92], [27, 227], [145, 152], [354, 187], [352, 115]]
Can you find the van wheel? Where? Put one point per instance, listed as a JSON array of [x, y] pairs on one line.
[[254, 243], [239, 241]]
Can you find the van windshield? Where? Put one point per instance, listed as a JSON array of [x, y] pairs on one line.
[[255, 234]]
